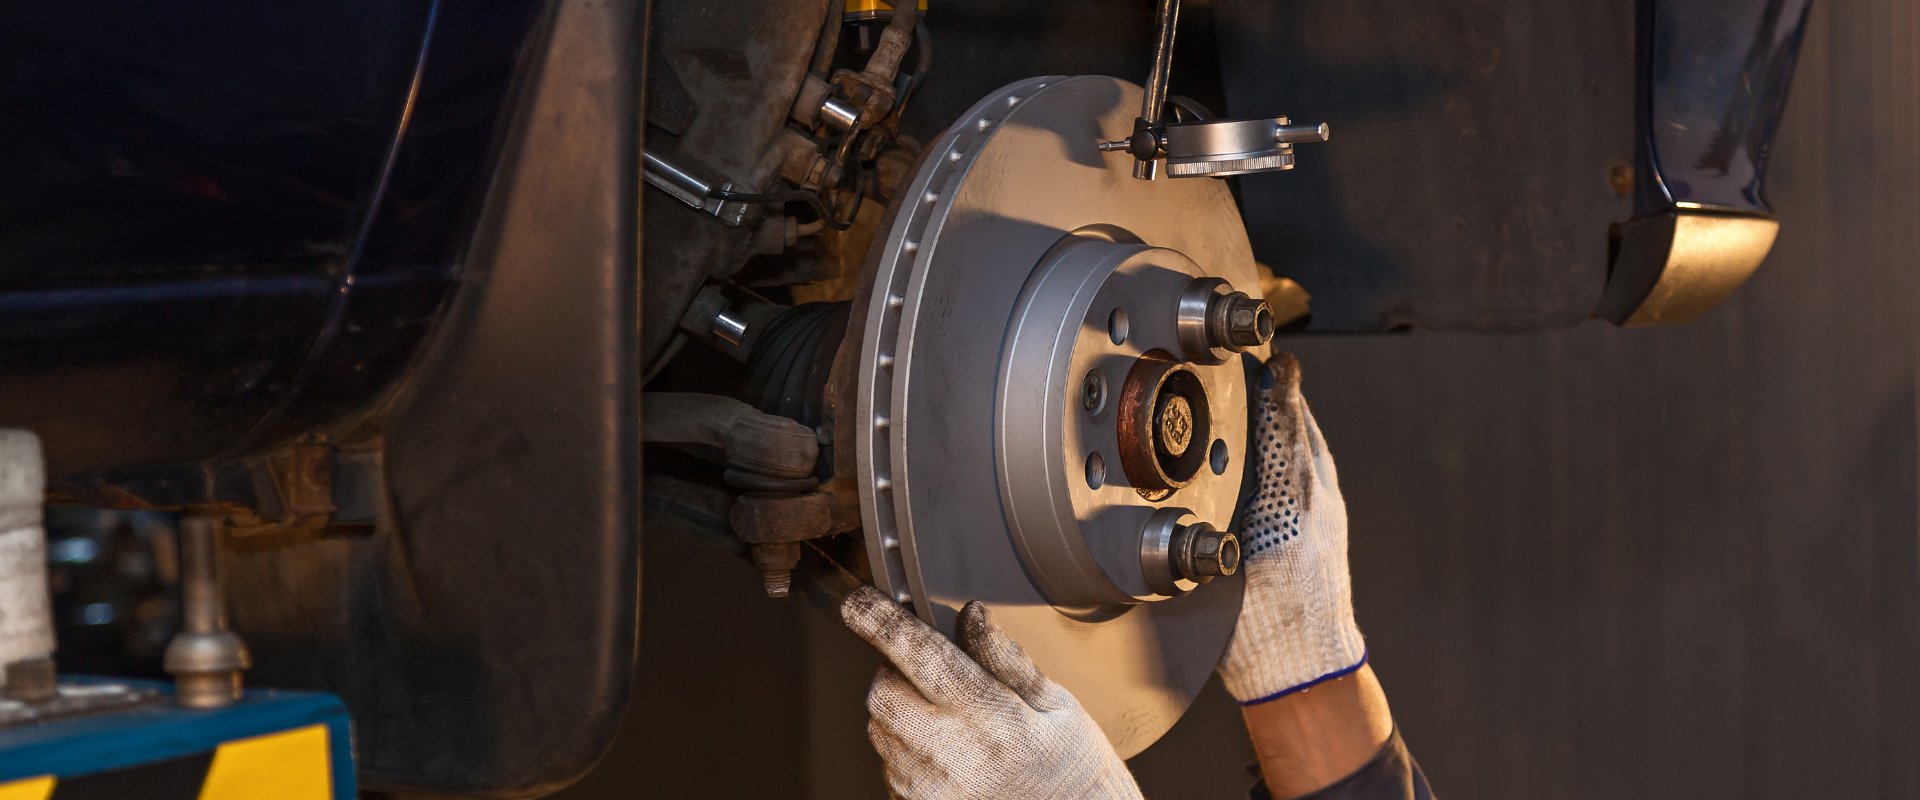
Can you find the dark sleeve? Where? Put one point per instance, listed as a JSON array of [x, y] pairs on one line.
[[1391, 775]]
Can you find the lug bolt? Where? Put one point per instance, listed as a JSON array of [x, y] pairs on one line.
[[1237, 322], [1199, 553], [1214, 322]]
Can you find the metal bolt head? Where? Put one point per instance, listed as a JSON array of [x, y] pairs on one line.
[[1216, 553], [1173, 425], [1236, 322], [1248, 322], [1199, 553], [1093, 391]]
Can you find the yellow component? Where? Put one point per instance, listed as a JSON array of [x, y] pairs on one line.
[[290, 765], [39, 788], [1707, 258], [1284, 297], [868, 7]]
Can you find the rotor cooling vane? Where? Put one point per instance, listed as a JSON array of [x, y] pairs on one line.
[[1052, 401]]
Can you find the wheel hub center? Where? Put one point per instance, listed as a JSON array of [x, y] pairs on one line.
[[1175, 426]]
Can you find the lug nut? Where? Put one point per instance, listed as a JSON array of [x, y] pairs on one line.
[[1216, 553], [1200, 553], [1237, 322], [1213, 322]]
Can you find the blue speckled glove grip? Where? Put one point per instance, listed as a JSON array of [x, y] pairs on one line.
[[1296, 627]]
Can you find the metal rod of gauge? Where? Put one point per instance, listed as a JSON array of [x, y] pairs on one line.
[[1156, 97]]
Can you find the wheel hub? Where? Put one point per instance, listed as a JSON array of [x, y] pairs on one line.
[[1052, 405]]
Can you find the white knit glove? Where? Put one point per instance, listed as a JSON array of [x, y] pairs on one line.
[[1296, 626], [983, 723]]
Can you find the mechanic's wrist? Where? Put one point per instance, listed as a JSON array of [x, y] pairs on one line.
[[1312, 737]]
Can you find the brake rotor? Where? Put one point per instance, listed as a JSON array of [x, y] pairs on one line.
[[1041, 419]]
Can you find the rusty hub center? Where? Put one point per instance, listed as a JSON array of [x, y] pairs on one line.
[[1175, 425], [1163, 413]]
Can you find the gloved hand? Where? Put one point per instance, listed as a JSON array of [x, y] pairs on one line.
[[978, 720], [1296, 625]]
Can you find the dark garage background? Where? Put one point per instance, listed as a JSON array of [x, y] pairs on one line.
[[1669, 563]]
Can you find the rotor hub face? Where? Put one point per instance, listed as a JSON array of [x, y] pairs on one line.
[[1082, 535], [1028, 296]]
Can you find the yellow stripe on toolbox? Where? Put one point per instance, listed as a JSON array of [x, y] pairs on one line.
[[27, 788], [290, 765]]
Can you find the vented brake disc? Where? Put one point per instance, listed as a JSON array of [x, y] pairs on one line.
[[1046, 423]]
